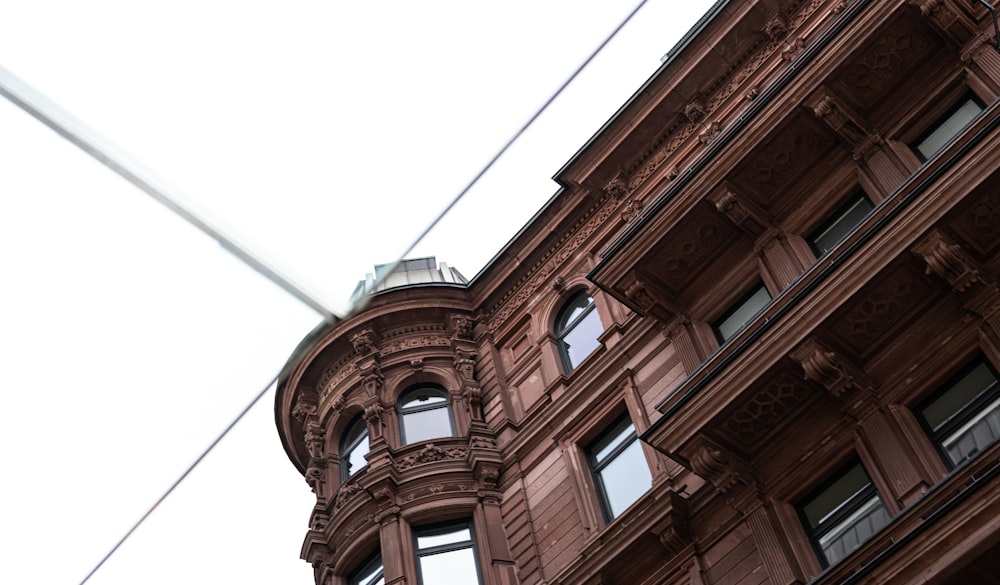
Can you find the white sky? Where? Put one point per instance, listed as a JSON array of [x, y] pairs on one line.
[[324, 135]]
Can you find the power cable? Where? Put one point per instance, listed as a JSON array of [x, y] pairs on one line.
[[41, 108]]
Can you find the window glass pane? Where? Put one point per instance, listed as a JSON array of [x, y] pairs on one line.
[[961, 393], [430, 540], [354, 448], [626, 478], [576, 307], [854, 530], [355, 458], [609, 442], [581, 341], [457, 567], [948, 128], [981, 431], [742, 313], [370, 574], [823, 505], [426, 424], [841, 224]]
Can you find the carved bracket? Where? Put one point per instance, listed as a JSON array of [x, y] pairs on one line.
[[638, 294], [461, 327], [617, 189], [722, 469], [741, 211], [364, 342], [948, 260], [825, 367], [673, 530], [828, 107]]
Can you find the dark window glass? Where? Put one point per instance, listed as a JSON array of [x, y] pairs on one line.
[[742, 312], [424, 413], [620, 469], [353, 448], [577, 328], [843, 514], [369, 574], [947, 127], [963, 418], [446, 555], [840, 224]]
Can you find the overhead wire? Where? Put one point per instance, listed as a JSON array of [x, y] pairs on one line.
[[60, 121]]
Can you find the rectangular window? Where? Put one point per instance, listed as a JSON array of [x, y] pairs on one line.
[[446, 555], [840, 224], [947, 127], [742, 312], [620, 469], [843, 514], [963, 418]]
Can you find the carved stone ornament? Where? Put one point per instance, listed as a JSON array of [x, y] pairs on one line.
[[868, 147], [948, 260], [319, 520], [472, 394], [346, 493], [844, 122], [741, 212], [695, 111], [631, 209], [461, 326], [712, 464], [372, 381], [776, 28], [314, 477], [465, 365], [824, 367], [637, 293], [481, 442], [305, 406], [673, 531], [710, 131], [616, 188], [431, 453], [373, 414], [315, 438], [488, 477], [364, 342], [792, 49]]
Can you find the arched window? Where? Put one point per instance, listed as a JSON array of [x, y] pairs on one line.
[[369, 574], [577, 329], [353, 448], [424, 413]]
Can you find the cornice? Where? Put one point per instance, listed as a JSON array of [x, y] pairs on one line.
[[550, 263]]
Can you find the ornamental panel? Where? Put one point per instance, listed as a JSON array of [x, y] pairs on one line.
[[885, 62], [883, 308]]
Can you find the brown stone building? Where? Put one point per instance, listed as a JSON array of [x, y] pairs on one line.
[[753, 339]]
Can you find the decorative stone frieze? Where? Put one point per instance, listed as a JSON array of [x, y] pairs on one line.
[[431, 453]]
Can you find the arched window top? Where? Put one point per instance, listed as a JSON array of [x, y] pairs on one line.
[[370, 573], [353, 448], [577, 328], [424, 413]]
